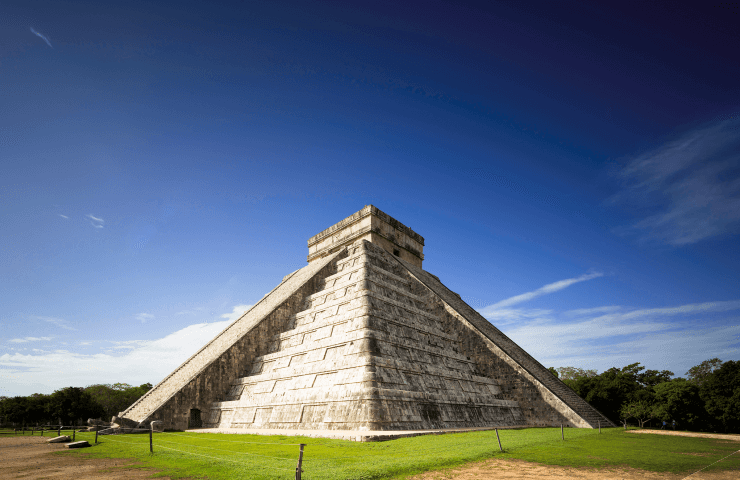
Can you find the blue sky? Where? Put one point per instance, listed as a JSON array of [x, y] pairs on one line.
[[574, 169]]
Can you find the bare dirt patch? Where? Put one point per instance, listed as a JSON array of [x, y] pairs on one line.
[[30, 457], [721, 436], [521, 470]]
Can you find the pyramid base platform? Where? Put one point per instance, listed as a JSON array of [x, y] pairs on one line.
[[352, 435]]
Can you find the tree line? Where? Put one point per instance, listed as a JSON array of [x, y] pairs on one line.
[[70, 405], [708, 399]]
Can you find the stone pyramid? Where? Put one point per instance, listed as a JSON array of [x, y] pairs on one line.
[[362, 339]]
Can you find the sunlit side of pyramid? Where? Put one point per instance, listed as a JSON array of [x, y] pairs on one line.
[[362, 339]]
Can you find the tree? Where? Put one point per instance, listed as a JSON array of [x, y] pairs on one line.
[[702, 371], [679, 400], [554, 371], [73, 403], [720, 391], [115, 398], [642, 411], [572, 375], [651, 378]]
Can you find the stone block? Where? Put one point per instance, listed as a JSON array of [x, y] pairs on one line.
[[61, 439], [80, 444]]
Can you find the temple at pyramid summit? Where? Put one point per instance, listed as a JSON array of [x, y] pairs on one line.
[[361, 341]]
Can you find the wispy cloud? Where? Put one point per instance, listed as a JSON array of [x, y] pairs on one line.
[[547, 289], [689, 188], [59, 322], [236, 312], [95, 221], [41, 36], [63, 216], [591, 311], [30, 339], [133, 361], [144, 317], [658, 337]]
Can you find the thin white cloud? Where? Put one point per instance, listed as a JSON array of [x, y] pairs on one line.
[[509, 315], [236, 312], [144, 317], [657, 337], [30, 339], [41, 37], [547, 289], [95, 221], [689, 187], [63, 216], [590, 311], [59, 322], [145, 361]]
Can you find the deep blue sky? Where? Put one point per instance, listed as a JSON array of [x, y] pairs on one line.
[[163, 165]]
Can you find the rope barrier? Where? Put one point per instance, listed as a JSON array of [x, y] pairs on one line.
[[227, 451], [733, 453], [201, 455]]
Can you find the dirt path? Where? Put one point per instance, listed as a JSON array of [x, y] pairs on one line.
[[29, 457], [520, 470], [721, 436]]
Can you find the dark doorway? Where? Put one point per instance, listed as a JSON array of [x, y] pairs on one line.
[[195, 421]]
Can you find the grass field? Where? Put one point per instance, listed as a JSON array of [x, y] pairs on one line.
[[218, 456]]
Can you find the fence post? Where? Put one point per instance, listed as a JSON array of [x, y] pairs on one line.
[[96, 436], [59, 431], [73, 433], [499, 441], [562, 435], [151, 447], [298, 469]]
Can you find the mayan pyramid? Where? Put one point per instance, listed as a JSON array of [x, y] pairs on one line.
[[362, 339]]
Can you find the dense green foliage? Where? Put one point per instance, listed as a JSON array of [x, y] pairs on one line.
[[233, 457], [709, 400], [71, 404]]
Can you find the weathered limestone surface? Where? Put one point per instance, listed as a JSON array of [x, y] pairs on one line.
[[362, 339], [207, 375], [525, 379], [374, 226]]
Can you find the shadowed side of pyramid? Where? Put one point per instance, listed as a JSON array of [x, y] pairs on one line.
[[180, 399]]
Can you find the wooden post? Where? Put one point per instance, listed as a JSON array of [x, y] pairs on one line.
[[59, 431], [298, 469], [151, 447], [499, 441], [96, 436], [599, 426], [562, 435], [73, 433]]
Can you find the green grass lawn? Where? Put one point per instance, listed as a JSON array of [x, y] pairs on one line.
[[219, 456]]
